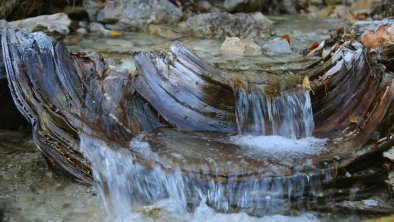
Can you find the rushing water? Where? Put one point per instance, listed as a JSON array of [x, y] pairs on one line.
[[288, 115]]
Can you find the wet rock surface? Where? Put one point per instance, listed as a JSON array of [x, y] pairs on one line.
[[220, 25]]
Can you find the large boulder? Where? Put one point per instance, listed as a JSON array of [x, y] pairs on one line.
[[133, 14], [221, 25]]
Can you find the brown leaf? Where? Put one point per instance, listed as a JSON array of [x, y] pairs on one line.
[[374, 39], [287, 38], [306, 84]]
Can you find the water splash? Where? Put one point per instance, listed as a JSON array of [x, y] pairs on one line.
[[288, 115]]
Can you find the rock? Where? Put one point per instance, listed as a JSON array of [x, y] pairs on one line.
[[137, 14], [243, 5], [235, 45], [288, 6], [100, 29], [371, 203], [384, 9], [389, 154], [56, 25], [162, 31], [260, 18], [221, 25], [333, 11], [82, 31], [92, 7], [364, 5], [277, 46], [390, 184]]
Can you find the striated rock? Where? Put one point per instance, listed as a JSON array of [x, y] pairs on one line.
[[235, 45], [220, 25], [137, 14], [56, 25]]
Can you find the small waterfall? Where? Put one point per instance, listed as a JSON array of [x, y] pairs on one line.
[[288, 115], [126, 185]]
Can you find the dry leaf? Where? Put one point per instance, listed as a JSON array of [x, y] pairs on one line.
[[116, 33], [374, 39], [313, 46], [306, 84], [354, 119], [287, 38]]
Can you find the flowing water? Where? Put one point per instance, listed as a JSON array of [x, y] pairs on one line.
[[126, 185], [287, 115], [273, 130]]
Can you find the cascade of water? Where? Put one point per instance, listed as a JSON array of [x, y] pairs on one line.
[[288, 115], [125, 184]]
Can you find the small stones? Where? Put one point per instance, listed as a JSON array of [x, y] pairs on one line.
[[235, 45]]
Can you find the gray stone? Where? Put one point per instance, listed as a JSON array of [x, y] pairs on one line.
[[221, 25], [92, 7], [277, 46], [389, 154], [55, 25], [137, 14]]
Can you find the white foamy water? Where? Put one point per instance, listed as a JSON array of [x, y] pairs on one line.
[[280, 146]]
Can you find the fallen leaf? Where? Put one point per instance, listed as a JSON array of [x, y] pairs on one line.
[[306, 84], [354, 119], [287, 38], [313, 46], [116, 33], [384, 35]]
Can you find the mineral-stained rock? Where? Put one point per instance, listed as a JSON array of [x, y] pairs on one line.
[[56, 25], [220, 25], [137, 14]]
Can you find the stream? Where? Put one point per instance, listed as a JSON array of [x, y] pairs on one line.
[[274, 133]]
